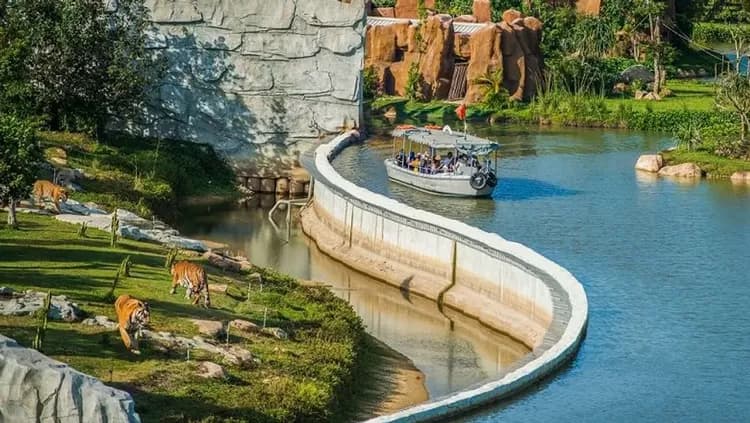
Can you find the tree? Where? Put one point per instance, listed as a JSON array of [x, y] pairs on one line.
[[83, 62], [495, 94], [733, 94], [20, 155]]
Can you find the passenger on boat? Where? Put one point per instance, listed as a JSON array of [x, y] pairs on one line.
[[412, 157], [447, 163], [401, 158]]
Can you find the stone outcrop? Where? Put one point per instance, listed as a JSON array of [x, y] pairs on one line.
[[482, 11], [34, 387], [486, 58], [259, 80], [211, 328], [684, 170], [649, 162], [410, 8], [740, 177], [209, 370], [589, 7], [27, 303], [511, 46]]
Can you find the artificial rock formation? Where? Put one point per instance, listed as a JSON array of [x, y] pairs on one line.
[[259, 80], [511, 46], [34, 387]]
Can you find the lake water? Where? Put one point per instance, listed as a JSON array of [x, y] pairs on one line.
[[665, 264], [451, 359]]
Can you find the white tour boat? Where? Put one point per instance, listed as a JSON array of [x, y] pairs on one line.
[[441, 161]]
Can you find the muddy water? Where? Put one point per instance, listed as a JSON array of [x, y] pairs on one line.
[[453, 351]]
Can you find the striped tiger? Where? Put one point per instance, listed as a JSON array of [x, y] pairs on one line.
[[46, 189], [133, 315], [193, 278]]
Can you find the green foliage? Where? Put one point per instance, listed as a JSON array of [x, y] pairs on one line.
[[384, 3], [178, 169], [370, 83], [594, 75], [733, 94], [79, 63], [125, 267], [414, 83], [82, 230], [20, 156], [421, 10], [114, 225], [41, 329], [688, 136], [495, 94], [714, 32]]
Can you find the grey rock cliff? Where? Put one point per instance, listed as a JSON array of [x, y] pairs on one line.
[[34, 387], [260, 80]]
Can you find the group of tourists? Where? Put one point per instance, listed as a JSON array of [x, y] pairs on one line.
[[424, 163]]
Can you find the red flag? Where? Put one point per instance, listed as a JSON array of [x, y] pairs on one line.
[[461, 111]]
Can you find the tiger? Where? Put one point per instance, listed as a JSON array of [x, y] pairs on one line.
[[133, 315], [46, 189], [193, 277]]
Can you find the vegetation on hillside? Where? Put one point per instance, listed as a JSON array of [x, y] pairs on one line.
[[146, 176], [309, 377]]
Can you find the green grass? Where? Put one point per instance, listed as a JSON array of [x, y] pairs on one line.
[[142, 175], [688, 95], [714, 166], [306, 378]]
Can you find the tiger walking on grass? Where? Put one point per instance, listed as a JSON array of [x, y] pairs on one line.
[[193, 277], [46, 189], [133, 316]]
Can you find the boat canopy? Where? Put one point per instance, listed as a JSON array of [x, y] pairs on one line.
[[444, 138]]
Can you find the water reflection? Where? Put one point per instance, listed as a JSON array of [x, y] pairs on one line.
[[453, 351]]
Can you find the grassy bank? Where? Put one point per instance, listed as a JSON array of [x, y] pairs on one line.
[[714, 166], [146, 176], [309, 377], [692, 101]]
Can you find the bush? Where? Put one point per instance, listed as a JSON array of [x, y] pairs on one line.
[[592, 76], [713, 32], [370, 83], [414, 83]]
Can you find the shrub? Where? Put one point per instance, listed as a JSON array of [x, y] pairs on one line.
[[713, 32], [370, 83], [414, 83]]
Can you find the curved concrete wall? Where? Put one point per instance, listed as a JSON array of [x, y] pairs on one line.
[[505, 285]]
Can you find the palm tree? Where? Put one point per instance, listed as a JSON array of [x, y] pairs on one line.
[[495, 94]]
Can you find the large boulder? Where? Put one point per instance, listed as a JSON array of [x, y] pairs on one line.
[[741, 177], [486, 58], [34, 387], [209, 370], [212, 328], [514, 60], [684, 170], [482, 11], [437, 61], [637, 73], [410, 8], [649, 162]]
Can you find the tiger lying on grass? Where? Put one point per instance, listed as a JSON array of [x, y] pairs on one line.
[[132, 315], [193, 278], [46, 189]]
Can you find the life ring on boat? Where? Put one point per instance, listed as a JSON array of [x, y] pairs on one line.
[[491, 180], [447, 129], [478, 181]]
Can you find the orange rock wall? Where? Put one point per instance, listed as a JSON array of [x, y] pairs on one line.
[[511, 46]]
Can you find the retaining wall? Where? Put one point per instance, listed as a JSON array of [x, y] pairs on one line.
[[503, 284]]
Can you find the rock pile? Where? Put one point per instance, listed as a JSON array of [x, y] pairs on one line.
[[131, 225], [29, 302]]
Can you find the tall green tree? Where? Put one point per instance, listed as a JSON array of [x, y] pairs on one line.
[[20, 156], [82, 61]]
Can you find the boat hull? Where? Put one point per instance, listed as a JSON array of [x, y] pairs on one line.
[[440, 184]]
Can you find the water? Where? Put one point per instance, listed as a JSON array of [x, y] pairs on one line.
[[664, 263], [450, 359]]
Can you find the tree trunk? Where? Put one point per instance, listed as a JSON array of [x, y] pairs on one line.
[[657, 56], [12, 221]]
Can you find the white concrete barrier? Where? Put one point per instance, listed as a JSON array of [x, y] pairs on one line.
[[503, 284]]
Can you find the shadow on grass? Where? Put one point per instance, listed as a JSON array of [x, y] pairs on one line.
[[172, 408]]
